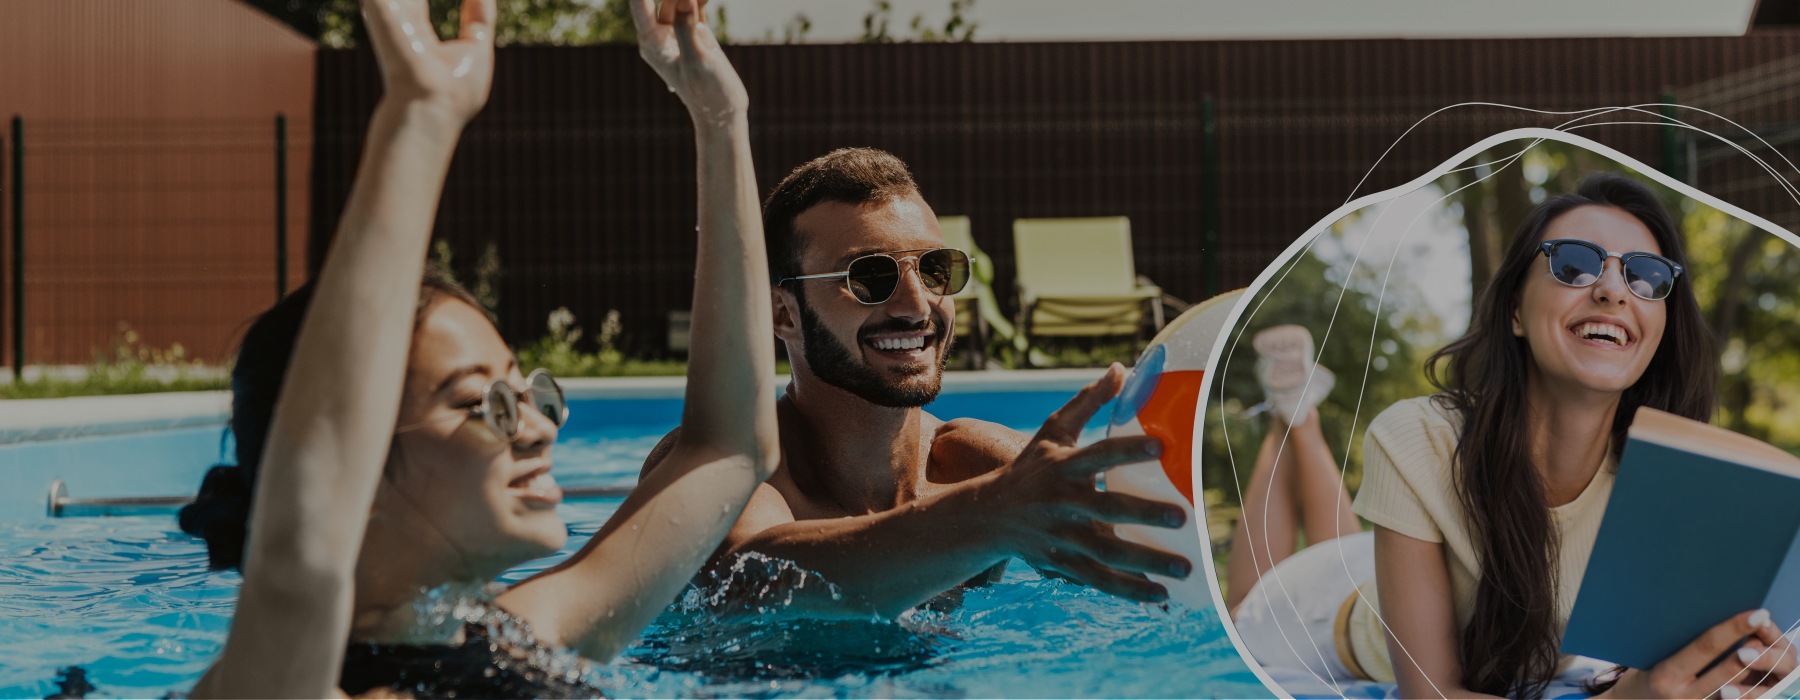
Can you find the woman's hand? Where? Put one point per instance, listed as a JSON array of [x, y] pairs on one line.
[[417, 67], [1755, 667], [675, 40], [328, 441]]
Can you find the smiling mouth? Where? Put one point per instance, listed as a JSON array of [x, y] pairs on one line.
[[537, 487], [911, 346], [899, 344], [1609, 333]]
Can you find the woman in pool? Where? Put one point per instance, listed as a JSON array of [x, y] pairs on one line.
[[398, 458], [1487, 497]]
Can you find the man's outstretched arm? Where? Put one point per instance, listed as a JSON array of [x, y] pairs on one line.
[[1043, 508]]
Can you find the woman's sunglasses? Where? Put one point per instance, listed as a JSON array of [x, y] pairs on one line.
[[1580, 264], [872, 279], [500, 404]]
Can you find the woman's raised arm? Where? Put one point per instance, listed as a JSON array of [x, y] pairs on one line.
[[605, 595], [335, 417]]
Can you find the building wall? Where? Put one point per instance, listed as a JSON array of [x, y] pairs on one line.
[[150, 170], [580, 172]]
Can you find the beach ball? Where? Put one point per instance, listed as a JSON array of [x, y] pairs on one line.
[[1161, 397]]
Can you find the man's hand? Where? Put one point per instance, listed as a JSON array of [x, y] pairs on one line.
[[675, 40], [416, 66], [1054, 518]]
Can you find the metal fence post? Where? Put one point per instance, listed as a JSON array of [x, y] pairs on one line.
[[18, 251], [1209, 183], [1671, 140], [281, 212], [5, 178]]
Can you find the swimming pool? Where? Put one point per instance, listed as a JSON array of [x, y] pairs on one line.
[[130, 599]]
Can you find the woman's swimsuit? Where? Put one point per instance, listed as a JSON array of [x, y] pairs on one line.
[[498, 656]]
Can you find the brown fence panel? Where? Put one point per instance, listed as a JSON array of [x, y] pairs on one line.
[[150, 170], [580, 173]]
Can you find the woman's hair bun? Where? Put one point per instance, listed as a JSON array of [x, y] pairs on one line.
[[220, 514]]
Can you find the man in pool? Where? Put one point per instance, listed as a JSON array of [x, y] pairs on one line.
[[892, 505]]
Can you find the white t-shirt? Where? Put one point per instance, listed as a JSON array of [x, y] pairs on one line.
[[1407, 487]]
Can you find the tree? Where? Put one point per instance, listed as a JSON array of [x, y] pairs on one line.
[[338, 23], [1375, 347], [1743, 277], [875, 24], [958, 28], [796, 29]]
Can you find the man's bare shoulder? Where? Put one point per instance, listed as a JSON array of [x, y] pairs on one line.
[[660, 451], [766, 508], [965, 448]]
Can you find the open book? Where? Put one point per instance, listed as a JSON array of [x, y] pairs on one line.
[[1703, 524]]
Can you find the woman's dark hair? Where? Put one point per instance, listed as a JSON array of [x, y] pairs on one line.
[[220, 514], [1510, 644]]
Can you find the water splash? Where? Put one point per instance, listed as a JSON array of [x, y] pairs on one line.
[[757, 584], [746, 629], [441, 613], [438, 613]]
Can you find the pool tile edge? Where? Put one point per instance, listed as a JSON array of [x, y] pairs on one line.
[[34, 420]]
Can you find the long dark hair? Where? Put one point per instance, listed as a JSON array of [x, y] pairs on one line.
[[1510, 644], [220, 514]]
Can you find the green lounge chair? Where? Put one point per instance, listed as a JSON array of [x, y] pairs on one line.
[[1076, 278], [979, 322]]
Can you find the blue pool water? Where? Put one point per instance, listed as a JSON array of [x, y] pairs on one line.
[[130, 599]]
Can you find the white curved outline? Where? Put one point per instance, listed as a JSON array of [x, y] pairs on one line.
[[1223, 349]]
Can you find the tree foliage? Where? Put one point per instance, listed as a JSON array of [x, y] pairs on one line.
[[878, 25], [338, 23], [795, 31], [1373, 346], [1743, 277]]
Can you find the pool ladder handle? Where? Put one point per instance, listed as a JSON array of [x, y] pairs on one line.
[[60, 504]]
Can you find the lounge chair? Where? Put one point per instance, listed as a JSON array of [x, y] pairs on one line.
[[1076, 278], [978, 319]]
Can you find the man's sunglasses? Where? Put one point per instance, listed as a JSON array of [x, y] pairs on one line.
[[500, 405], [872, 279], [1580, 263]]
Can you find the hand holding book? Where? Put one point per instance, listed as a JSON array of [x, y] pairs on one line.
[[1744, 656], [1703, 525]]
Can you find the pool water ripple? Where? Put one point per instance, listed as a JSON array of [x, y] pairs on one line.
[[131, 600]]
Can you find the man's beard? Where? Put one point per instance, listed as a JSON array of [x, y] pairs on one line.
[[836, 365]]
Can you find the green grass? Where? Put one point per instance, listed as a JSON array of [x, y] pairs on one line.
[[127, 367], [135, 381]]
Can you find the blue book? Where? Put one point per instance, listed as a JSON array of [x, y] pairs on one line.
[[1703, 524]]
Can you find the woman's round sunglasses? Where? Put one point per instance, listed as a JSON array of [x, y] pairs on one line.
[[500, 405], [1580, 263], [872, 279]]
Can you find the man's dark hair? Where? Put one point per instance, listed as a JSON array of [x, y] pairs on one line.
[[848, 175]]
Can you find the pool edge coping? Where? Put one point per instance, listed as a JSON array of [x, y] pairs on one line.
[[38, 420]]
